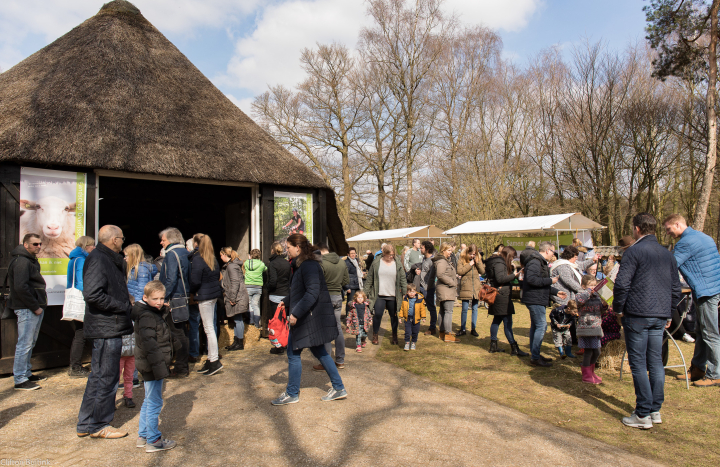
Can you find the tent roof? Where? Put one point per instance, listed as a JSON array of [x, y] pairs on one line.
[[569, 221], [114, 93], [423, 231]]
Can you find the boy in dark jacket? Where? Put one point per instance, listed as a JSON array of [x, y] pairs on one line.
[[560, 321], [153, 354]]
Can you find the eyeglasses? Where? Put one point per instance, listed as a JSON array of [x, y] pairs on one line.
[[123, 238], [36, 244]]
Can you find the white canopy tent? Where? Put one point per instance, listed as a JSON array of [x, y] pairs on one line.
[[573, 221], [423, 231]]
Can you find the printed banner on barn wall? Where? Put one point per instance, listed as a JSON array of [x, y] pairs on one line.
[[293, 214], [519, 242], [52, 205]]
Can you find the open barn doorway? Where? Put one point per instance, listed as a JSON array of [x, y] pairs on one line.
[[142, 208]]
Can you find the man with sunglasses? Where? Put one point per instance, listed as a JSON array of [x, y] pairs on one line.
[[28, 300]]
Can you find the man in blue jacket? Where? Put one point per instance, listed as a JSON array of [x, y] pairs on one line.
[[699, 262], [647, 288]]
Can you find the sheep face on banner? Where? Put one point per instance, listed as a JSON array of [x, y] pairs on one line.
[[54, 219]]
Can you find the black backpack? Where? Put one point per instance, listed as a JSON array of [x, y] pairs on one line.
[[411, 274]]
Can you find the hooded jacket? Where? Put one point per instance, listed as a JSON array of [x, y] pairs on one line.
[[27, 286], [501, 279], [153, 342], [75, 266], [254, 269], [107, 300], [336, 273], [353, 278]]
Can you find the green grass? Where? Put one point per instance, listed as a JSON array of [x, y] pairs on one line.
[[688, 435]]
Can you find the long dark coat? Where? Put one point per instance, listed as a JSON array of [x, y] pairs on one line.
[[499, 278], [309, 301]]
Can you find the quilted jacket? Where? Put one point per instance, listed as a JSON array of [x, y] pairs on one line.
[[647, 284], [699, 262], [537, 286], [137, 282]]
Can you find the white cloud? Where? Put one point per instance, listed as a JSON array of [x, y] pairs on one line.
[[270, 54], [244, 104]]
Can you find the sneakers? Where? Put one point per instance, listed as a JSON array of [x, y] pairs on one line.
[[339, 366], [205, 367], [655, 417], [213, 368], [412, 346], [109, 433], [160, 445], [79, 372], [141, 442], [364, 343], [461, 332], [407, 346], [358, 349], [129, 402], [36, 378], [644, 423], [27, 386], [474, 333], [284, 399], [136, 383], [706, 382], [688, 338], [334, 395]]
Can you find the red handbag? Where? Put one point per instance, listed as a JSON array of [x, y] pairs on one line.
[[279, 328]]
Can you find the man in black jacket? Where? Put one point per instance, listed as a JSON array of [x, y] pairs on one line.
[[647, 289], [28, 300], [107, 319], [536, 291]]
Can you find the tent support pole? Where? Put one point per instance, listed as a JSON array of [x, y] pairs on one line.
[[557, 239]]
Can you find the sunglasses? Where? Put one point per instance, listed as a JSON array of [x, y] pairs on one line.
[[36, 244]]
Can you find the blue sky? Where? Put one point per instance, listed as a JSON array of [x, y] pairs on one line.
[[245, 45]]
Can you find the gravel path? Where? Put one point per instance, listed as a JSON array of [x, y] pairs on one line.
[[391, 417]]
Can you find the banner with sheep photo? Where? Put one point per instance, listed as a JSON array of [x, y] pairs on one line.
[[293, 214], [52, 205]]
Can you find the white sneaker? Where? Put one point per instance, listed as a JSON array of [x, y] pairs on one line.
[[655, 417], [412, 346], [407, 346], [688, 338], [644, 423]]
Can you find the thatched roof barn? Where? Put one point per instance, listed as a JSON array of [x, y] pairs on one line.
[[114, 93]]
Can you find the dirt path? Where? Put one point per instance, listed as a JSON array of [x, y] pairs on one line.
[[391, 417]]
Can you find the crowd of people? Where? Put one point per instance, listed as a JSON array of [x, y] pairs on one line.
[[143, 315]]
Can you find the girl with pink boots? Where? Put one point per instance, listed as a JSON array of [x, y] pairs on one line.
[[591, 308]]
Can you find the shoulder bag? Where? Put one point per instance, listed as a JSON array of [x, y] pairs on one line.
[[74, 305], [179, 309]]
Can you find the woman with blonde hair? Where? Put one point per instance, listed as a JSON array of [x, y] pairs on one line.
[[445, 290], [385, 288], [139, 271], [205, 284], [235, 295]]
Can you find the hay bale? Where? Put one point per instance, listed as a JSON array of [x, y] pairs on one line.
[[611, 356], [227, 334]]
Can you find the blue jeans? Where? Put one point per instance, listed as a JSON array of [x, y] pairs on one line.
[[538, 326], [507, 322], [643, 340], [430, 304], [194, 336], [295, 367], [707, 345], [150, 411], [239, 326], [98, 404], [463, 316], [28, 324], [254, 293]]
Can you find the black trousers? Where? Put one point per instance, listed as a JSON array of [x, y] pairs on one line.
[[381, 304], [180, 332], [77, 346]]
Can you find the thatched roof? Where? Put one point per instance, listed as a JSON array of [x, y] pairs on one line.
[[115, 94]]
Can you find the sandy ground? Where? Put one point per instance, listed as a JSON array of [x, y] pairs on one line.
[[391, 417]]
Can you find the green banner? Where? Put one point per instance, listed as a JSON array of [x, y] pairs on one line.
[[53, 266], [519, 243]]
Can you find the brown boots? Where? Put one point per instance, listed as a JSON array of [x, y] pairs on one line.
[[449, 337]]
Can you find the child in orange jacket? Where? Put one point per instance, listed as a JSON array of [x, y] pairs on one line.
[[413, 312]]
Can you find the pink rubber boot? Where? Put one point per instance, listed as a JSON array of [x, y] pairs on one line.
[[597, 379], [587, 375]]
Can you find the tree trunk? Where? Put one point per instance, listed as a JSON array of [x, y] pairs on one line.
[[704, 199]]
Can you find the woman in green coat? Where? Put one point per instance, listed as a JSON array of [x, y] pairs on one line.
[[385, 287]]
